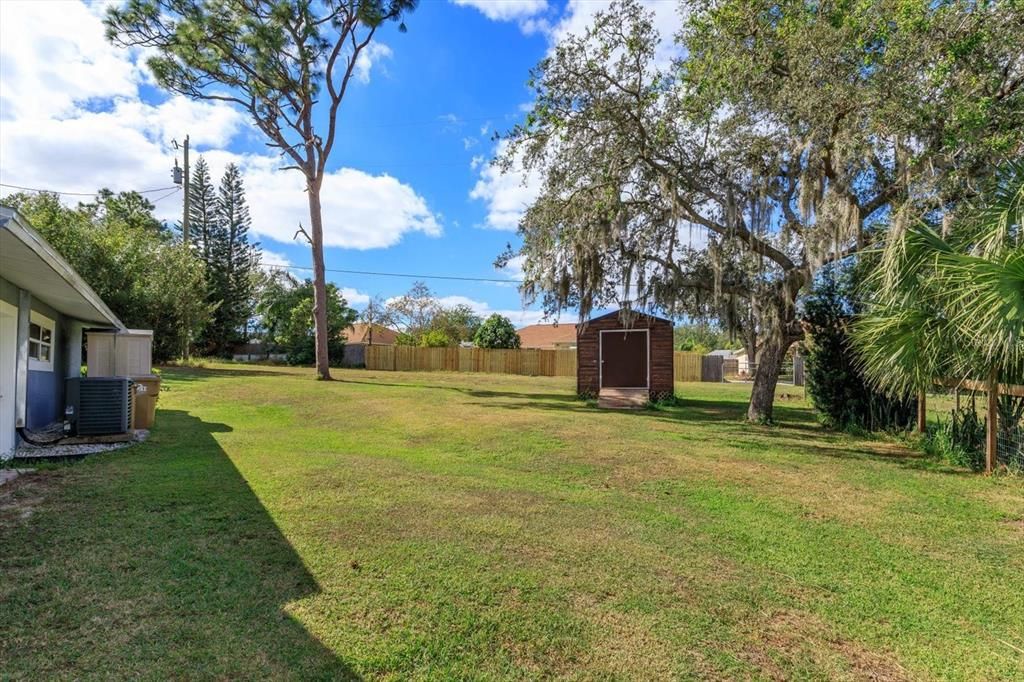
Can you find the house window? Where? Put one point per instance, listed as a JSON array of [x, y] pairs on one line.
[[40, 343]]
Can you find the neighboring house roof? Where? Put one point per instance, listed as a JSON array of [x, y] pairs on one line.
[[30, 263], [547, 335], [359, 332], [725, 353]]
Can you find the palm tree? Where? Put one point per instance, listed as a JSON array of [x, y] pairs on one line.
[[950, 304]]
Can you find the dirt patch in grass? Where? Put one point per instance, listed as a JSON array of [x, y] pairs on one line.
[[788, 640], [20, 498]]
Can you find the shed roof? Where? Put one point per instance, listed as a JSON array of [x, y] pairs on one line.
[[30, 263], [636, 312]]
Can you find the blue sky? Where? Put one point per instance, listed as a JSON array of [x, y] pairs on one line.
[[408, 186]]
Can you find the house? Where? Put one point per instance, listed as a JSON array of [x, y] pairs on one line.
[[376, 335], [45, 306], [548, 336], [625, 360]]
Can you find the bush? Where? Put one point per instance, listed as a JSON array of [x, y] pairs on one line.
[[435, 338], [959, 441], [836, 386], [497, 331], [286, 306]]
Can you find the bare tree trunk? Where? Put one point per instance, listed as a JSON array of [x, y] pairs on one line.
[[323, 369], [762, 397]]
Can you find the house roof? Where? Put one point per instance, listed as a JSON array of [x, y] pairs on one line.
[[547, 335], [30, 263], [359, 332], [724, 352]]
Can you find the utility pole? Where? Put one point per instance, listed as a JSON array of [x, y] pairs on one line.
[[177, 181], [185, 243], [184, 219]]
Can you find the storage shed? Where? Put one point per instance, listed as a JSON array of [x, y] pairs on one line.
[[625, 358]]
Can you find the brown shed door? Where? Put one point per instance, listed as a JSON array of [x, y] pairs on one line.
[[624, 358]]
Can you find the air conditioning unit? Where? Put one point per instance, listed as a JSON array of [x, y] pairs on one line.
[[98, 406]]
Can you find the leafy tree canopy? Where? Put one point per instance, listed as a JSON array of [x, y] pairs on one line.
[[123, 252], [497, 331], [786, 135], [286, 309]]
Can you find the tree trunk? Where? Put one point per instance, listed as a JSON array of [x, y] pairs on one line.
[[762, 397], [323, 369]]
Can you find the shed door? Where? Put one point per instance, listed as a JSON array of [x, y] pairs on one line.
[[624, 358]]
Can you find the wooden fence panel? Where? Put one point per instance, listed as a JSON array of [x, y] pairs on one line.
[[686, 366], [711, 368], [524, 361]]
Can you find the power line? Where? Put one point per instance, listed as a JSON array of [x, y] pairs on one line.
[[82, 194], [396, 274], [164, 196]]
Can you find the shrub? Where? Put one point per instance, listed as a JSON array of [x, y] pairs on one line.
[[497, 331], [835, 384]]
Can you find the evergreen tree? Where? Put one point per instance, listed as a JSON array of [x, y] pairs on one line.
[[240, 257], [233, 264], [202, 210], [203, 225]]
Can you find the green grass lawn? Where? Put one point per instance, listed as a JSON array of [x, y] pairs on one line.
[[439, 526]]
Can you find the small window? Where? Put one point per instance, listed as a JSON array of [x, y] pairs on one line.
[[40, 343]]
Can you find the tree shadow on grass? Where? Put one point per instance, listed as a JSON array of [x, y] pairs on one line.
[[532, 398], [200, 373], [157, 561], [795, 430]]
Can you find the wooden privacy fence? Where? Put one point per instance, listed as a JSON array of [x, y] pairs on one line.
[[525, 361], [686, 366]]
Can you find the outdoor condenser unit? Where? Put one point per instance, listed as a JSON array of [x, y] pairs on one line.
[[98, 406]]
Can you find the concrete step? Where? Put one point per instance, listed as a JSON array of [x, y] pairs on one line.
[[622, 398]]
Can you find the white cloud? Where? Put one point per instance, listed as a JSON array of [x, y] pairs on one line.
[[371, 55], [354, 297], [53, 56], [73, 121], [360, 211], [507, 194], [506, 10], [519, 317], [273, 260]]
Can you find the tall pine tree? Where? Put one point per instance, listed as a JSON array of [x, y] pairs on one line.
[[202, 211], [219, 233], [236, 262]]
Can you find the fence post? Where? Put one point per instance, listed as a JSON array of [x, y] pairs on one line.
[[991, 433], [922, 412]]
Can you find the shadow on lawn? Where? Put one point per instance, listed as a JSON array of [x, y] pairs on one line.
[[200, 373], [794, 430], [179, 571]]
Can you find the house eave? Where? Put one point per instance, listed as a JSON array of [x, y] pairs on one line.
[[86, 304]]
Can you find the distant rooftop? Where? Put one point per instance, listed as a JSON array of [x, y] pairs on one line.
[[548, 336]]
